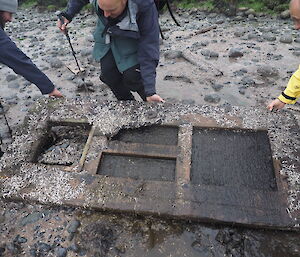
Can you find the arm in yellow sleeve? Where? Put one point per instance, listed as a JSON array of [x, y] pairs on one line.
[[292, 91]]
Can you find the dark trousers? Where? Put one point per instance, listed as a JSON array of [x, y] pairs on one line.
[[121, 84]]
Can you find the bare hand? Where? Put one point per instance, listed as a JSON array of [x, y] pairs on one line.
[[63, 26], [155, 98], [277, 104], [56, 93]]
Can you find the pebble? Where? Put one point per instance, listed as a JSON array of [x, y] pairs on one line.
[[235, 52], [73, 226], [213, 98], [286, 39], [267, 71], [11, 77]]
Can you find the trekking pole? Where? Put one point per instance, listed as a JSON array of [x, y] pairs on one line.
[[61, 18], [6, 121], [171, 13]]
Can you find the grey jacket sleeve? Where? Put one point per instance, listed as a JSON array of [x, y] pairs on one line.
[[15, 59], [74, 7], [148, 48]]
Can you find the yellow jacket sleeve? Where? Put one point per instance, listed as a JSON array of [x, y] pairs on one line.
[[292, 91]]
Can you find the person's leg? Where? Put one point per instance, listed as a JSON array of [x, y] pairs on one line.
[[132, 80], [111, 76]]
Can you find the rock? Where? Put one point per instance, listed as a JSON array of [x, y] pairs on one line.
[[188, 101], [173, 54], [11, 77], [43, 247], [235, 52], [219, 21], [296, 53], [55, 63], [285, 14], [250, 11], [239, 32], [31, 218], [20, 240], [210, 54], [13, 85], [61, 252], [217, 87], [213, 98], [86, 52], [73, 226], [286, 39], [242, 90], [267, 71], [269, 37], [251, 17]]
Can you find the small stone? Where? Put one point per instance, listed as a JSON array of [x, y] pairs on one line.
[[286, 39], [31, 218], [217, 87], [285, 14], [235, 52], [55, 63], [13, 85], [213, 98], [74, 225], [61, 252], [267, 71], [11, 77], [173, 55], [269, 37]]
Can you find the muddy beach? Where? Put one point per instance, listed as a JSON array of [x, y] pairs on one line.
[[240, 62]]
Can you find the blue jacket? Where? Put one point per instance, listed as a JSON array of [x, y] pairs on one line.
[[15, 59], [147, 38]]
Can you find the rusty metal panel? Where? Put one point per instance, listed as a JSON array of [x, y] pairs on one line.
[[232, 158]]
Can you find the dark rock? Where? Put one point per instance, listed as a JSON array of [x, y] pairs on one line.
[[235, 52], [267, 71], [178, 78], [286, 39], [213, 98], [61, 252], [239, 33], [73, 226], [31, 218], [11, 77], [55, 63], [188, 101], [13, 84], [43, 247], [285, 14], [173, 55], [269, 37], [296, 53], [217, 87], [210, 54], [20, 240], [242, 90], [74, 247]]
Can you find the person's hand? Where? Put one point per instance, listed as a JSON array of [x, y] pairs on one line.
[[56, 93], [63, 25], [275, 104], [155, 98]]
